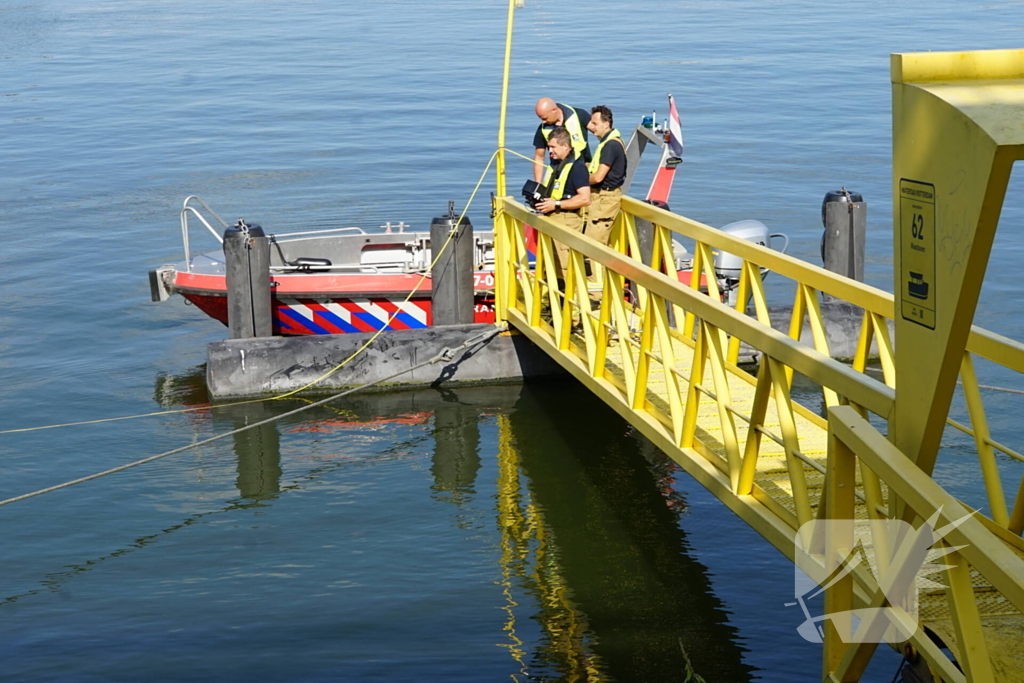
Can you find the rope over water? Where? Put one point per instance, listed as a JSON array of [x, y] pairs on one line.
[[446, 355]]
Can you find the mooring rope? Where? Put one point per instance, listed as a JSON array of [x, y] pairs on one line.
[[989, 387], [446, 354]]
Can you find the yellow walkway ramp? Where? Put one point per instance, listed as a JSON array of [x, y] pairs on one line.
[[664, 355]]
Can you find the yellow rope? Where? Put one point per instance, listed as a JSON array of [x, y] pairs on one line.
[[423, 278], [522, 156]]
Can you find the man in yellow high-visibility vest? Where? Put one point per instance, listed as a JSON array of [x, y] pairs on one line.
[[553, 115], [607, 173], [566, 188]]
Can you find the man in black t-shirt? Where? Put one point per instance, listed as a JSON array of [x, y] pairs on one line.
[[552, 115], [566, 188], [607, 173]]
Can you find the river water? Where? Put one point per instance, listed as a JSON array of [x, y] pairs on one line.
[[486, 534]]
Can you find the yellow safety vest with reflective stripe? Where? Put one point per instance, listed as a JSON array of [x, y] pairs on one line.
[[571, 123], [563, 177], [595, 163]]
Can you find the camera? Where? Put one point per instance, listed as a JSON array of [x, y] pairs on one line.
[[533, 193]]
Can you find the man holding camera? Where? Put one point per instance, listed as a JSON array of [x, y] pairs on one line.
[[566, 189]]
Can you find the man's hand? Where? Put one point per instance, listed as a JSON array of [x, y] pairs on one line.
[[546, 206], [602, 171]]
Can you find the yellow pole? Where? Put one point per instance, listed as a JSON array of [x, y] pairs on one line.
[[504, 101], [956, 133], [502, 240]]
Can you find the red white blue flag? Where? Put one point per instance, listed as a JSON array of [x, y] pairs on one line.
[[675, 138]]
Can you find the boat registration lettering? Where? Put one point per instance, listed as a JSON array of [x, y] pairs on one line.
[[917, 252]]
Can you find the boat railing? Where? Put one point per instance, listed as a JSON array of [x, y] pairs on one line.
[[357, 268], [417, 263], [187, 209], [284, 238]]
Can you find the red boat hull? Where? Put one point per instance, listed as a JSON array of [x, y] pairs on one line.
[[337, 305]]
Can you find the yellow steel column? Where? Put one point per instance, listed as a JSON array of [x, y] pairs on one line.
[[956, 133], [500, 185]]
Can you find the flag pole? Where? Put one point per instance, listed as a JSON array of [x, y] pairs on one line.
[[500, 184]]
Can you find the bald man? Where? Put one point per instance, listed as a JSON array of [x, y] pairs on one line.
[[553, 115]]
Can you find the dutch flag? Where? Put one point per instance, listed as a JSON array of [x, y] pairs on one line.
[[675, 139]]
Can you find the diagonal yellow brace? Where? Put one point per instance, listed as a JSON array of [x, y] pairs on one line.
[[693, 394], [564, 330], [885, 353], [716, 354], [787, 422], [796, 324], [1017, 516], [517, 277], [971, 648], [742, 294], [860, 356], [548, 262], [603, 324], [818, 332], [696, 264], [582, 296], [643, 361], [758, 411], [982, 438], [663, 237], [668, 363], [632, 245], [616, 299]]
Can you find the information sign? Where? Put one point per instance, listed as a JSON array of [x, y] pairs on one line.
[[917, 252]]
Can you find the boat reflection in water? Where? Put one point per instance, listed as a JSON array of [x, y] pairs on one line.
[[258, 450], [456, 458], [594, 569]]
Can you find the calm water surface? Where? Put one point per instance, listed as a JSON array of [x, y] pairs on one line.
[[521, 532]]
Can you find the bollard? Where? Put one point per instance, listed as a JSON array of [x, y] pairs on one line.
[[258, 451], [645, 233], [844, 215], [247, 266], [645, 240], [451, 296]]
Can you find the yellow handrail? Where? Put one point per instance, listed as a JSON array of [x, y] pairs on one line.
[[660, 353], [857, 387]]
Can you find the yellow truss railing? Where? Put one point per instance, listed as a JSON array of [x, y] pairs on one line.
[[665, 354], [980, 558], [874, 337]]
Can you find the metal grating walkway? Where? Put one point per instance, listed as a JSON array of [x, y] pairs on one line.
[[1003, 624]]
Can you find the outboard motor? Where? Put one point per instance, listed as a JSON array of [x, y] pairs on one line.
[[729, 266]]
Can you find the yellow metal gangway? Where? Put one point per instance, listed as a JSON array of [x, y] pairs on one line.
[[664, 356]]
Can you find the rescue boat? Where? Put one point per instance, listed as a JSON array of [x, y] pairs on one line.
[[348, 279], [331, 281]]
